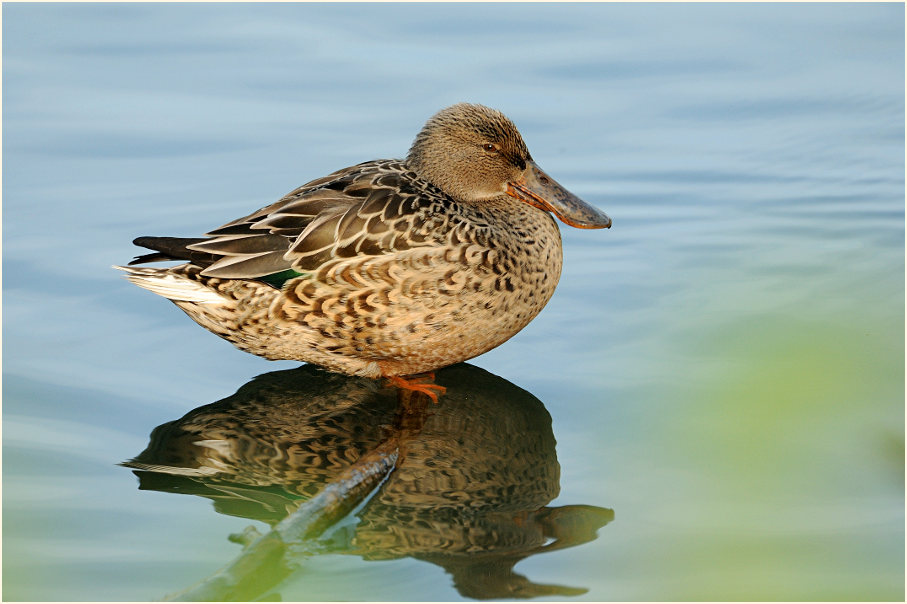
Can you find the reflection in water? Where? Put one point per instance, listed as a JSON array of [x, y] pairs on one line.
[[467, 480]]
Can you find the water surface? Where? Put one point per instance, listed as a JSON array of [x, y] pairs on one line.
[[715, 393]]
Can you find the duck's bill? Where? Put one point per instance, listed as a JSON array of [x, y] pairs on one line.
[[540, 190]]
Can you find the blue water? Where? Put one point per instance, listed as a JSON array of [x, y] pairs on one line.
[[722, 371]]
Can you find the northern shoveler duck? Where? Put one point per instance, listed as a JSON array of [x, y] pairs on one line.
[[388, 268]]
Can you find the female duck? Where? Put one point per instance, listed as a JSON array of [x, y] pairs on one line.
[[387, 268]]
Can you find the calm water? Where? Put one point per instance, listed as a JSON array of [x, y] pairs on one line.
[[711, 407]]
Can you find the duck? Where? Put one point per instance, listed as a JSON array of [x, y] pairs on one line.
[[391, 268]]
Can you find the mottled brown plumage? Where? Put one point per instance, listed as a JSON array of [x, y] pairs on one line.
[[388, 267]]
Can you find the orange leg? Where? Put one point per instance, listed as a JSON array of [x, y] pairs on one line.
[[423, 382]]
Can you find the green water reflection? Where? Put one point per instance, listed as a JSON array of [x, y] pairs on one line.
[[469, 490]]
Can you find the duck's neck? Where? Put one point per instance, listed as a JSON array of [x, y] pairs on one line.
[[436, 175]]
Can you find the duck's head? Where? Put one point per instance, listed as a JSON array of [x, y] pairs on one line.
[[474, 153]]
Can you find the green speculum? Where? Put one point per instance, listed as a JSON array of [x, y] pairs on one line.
[[279, 279]]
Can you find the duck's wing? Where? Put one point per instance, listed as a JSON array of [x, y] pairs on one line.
[[370, 209]]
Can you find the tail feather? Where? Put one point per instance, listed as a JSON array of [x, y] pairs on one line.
[[173, 248], [230, 308], [175, 287], [155, 257]]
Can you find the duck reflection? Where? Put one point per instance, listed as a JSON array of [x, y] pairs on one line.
[[465, 482]]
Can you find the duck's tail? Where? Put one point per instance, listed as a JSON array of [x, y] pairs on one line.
[[172, 248], [174, 285], [233, 309]]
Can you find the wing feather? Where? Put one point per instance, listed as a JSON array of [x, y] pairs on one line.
[[370, 209], [259, 265]]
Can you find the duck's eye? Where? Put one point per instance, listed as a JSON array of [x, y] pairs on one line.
[[490, 147]]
